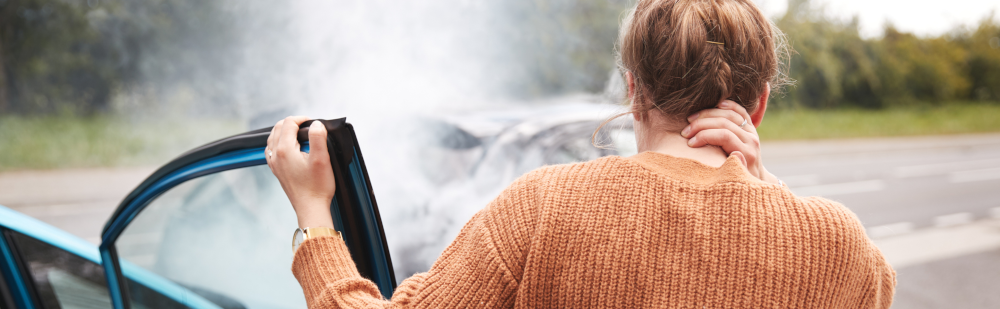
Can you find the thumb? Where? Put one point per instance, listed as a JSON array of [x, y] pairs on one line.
[[317, 141], [738, 155]]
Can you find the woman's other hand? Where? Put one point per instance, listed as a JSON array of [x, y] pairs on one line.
[[722, 127], [307, 178]]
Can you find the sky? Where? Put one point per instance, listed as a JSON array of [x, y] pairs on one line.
[[922, 17]]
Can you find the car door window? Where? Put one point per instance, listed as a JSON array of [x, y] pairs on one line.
[[225, 236], [61, 279]]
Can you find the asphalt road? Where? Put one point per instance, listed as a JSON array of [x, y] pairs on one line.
[[919, 182], [932, 204], [927, 201], [968, 281]]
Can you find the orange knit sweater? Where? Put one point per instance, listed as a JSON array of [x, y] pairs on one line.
[[646, 231]]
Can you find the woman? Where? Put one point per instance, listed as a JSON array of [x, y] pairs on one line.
[[678, 225]]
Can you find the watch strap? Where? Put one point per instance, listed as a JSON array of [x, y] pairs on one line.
[[301, 235], [313, 232]]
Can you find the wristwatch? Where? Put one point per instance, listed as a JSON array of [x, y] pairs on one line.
[[312, 232]]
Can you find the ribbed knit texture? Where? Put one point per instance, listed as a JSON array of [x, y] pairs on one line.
[[646, 231]]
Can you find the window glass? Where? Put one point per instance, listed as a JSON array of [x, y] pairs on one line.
[[224, 236], [62, 279], [65, 280]]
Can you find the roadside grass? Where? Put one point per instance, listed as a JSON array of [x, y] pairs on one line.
[[854, 123], [51, 142]]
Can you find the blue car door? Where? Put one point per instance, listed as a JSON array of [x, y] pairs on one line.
[[214, 225], [42, 267]]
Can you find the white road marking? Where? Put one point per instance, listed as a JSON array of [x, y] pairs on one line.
[[887, 230], [974, 175], [942, 168], [934, 244], [841, 188], [953, 219], [801, 180]]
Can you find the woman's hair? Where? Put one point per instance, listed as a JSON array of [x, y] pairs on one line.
[[688, 55]]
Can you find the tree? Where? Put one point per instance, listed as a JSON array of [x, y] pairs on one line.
[[73, 56]]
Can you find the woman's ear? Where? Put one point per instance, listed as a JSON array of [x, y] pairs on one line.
[[758, 115]]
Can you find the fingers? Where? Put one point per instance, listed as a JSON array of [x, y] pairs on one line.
[[719, 137], [270, 137], [733, 106], [317, 144], [702, 124], [272, 140], [287, 142], [731, 115]]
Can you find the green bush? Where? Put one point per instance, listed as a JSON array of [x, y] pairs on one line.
[[835, 67]]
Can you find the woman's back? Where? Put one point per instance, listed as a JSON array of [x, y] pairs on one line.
[[654, 230]]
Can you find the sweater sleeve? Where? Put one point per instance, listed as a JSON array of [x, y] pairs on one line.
[[471, 272], [872, 281]]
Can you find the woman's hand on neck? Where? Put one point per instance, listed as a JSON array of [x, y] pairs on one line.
[[657, 133]]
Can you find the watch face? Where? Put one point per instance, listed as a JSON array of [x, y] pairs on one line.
[[297, 239]]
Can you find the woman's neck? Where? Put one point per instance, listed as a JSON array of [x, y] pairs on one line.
[[673, 144]]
